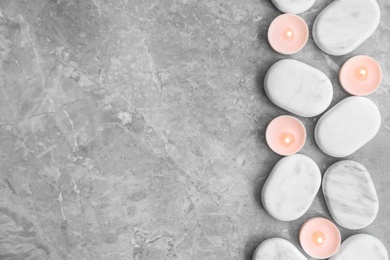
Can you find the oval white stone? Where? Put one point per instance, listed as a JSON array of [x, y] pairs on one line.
[[350, 194], [277, 249], [291, 187], [347, 126], [298, 88], [295, 7], [361, 247], [343, 25]]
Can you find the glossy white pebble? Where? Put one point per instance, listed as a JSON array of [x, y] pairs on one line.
[[291, 187], [298, 88], [347, 126], [350, 194], [295, 7], [361, 247], [345, 24], [277, 249]]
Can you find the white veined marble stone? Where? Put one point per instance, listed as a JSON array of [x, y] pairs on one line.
[[350, 194], [291, 187], [345, 24], [347, 126], [293, 6], [277, 249], [298, 88], [361, 247]]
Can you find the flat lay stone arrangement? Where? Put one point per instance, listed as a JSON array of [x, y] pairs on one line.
[[346, 127]]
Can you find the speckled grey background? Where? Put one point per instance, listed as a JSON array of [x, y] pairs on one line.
[[135, 129]]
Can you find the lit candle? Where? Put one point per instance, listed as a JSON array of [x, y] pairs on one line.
[[320, 238], [361, 75], [288, 33], [285, 135]]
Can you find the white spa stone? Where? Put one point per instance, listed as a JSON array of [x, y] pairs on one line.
[[345, 24], [350, 194], [293, 6], [347, 126], [298, 88], [291, 187], [277, 249], [361, 247]]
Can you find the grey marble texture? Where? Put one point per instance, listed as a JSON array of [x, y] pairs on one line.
[[277, 249], [343, 25], [135, 129], [350, 194], [298, 88], [291, 187], [348, 126]]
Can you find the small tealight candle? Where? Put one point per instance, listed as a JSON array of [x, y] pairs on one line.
[[285, 135], [361, 75], [320, 238], [288, 33]]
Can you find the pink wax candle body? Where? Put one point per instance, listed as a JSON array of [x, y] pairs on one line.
[[361, 75], [285, 135], [288, 33], [320, 238]]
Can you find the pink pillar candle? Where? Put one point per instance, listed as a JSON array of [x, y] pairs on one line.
[[320, 238], [361, 75], [288, 33], [285, 135]]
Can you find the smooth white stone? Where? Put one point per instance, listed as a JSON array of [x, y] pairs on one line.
[[347, 126], [293, 6], [350, 194], [277, 249], [361, 247], [345, 24], [298, 88], [291, 187]]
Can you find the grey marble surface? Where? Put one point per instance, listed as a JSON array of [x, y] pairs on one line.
[[135, 129]]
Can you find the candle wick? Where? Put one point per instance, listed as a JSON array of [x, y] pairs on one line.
[[363, 72], [289, 33], [287, 140]]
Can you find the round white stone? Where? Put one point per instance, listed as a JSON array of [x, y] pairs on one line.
[[293, 6], [277, 249], [361, 247], [298, 88], [350, 194], [291, 187], [343, 25], [347, 126]]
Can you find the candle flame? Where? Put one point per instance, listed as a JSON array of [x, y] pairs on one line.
[[288, 34], [286, 139], [318, 238], [361, 73]]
